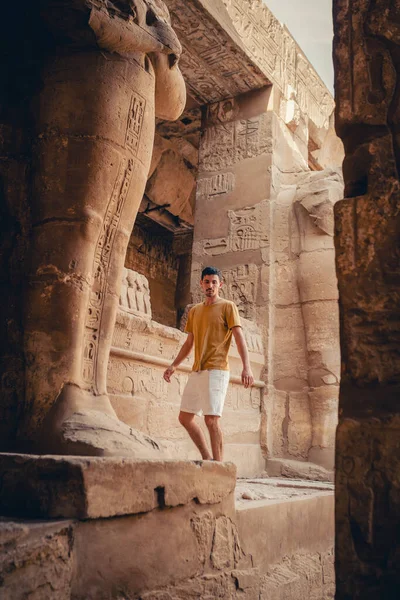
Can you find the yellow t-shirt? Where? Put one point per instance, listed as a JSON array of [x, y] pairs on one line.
[[212, 326]]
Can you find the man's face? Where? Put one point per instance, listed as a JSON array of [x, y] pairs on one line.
[[210, 285]]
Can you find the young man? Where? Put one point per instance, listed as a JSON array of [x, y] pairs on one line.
[[210, 326]]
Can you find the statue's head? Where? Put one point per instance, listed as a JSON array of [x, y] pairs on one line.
[[143, 27]]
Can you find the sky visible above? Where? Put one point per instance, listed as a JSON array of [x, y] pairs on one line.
[[310, 23]]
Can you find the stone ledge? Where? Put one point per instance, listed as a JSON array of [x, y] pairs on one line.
[[90, 488]]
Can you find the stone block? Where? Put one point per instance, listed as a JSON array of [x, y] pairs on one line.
[[172, 184], [240, 398], [75, 487], [321, 320], [297, 525], [241, 426], [281, 229], [163, 421], [287, 155], [324, 414], [160, 554], [248, 459]]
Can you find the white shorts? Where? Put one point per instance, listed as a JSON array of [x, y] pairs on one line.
[[205, 392]]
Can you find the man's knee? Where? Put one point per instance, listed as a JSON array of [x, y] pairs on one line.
[[212, 422], [185, 418]]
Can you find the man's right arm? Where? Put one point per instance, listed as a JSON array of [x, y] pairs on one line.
[[182, 354]]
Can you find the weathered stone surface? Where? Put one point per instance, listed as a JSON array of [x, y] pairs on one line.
[[282, 467], [306, 316], [149, 552], [36, 560], [226, 552], [56, 487], [367, 244], [306, 523], [299, 425], [187, 551]]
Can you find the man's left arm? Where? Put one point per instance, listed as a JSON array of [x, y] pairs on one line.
[[247, 374]]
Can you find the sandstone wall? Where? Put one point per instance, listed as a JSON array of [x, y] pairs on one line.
[[367, 63]]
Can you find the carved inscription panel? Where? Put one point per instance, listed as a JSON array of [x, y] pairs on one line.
[[225, 144], [100, 269], [273, 49], [248, 230], [135, 122], [216, 186], [209, 62]]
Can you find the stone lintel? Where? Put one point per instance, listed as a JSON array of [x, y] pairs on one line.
[[89, 488], [233, 46]]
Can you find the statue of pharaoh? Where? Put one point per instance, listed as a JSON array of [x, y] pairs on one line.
[[107, 69]]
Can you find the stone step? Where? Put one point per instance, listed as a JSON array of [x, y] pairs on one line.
[[91, 487]]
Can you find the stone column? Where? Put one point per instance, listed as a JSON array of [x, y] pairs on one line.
[[367, 62]]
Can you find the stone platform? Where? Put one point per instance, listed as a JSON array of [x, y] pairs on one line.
[[159, 530], [91, 488]]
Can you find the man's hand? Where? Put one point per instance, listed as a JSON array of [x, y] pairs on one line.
[[247, 377], [168, 372]]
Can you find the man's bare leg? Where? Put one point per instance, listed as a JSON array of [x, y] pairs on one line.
[[216, 436], [196, 434]]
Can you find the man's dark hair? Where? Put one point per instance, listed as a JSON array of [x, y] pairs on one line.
[[211, 271]]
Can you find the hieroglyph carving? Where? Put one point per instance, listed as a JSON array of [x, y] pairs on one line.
[[274, 50], [209, 62], [241, 286], [216, 186], [100, 270], [253, 340], [225, 144], [135, 122], [248, 230]]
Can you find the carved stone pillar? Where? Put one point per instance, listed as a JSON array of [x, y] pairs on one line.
[[367, 61]]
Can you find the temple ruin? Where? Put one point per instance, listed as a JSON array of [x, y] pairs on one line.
[[141, 141]]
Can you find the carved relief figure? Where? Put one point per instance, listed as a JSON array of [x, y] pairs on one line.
[[317, 285], [136, 291], [110, 68], [123, 297]]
